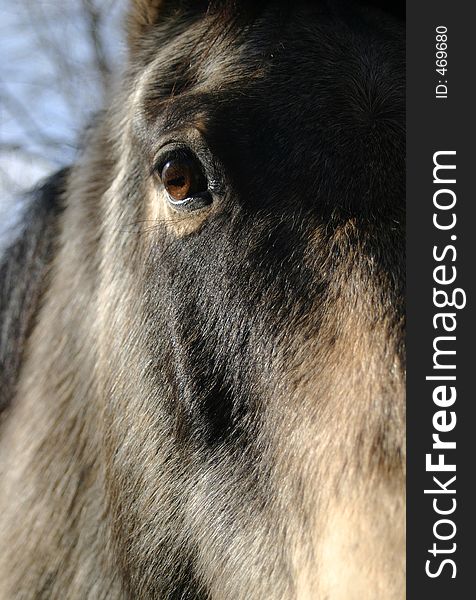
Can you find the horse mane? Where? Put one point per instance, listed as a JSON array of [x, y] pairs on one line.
[[23, 278]]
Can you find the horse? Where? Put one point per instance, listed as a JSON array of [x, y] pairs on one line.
[[203, 318]]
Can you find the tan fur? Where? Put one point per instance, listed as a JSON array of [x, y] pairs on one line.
[[356, 522]]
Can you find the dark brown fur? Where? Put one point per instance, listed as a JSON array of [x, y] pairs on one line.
[[24, 273], [210, 405]]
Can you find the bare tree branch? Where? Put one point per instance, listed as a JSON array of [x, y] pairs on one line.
[[57, 63]]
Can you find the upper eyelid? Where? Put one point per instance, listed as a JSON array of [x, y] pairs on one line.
[[163, 157], [173, 148], [188, 136]]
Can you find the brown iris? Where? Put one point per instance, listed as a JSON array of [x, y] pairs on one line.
[[182, 178]]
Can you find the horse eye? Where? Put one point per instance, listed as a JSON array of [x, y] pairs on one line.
[[183, 180]]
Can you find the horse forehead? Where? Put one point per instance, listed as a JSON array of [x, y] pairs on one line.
[[307, 57], [327, 69], [309, 46], [236, 76]]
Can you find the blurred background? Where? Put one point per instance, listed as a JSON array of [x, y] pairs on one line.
[[57, 59]]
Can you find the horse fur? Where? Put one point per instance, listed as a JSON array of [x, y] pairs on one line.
[[211, 405]]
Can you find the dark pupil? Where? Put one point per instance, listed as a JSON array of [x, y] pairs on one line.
[[179, 179]]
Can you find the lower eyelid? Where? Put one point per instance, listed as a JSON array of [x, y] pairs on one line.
[[192, 203]]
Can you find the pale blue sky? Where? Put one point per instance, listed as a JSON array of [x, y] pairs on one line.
[[49, 82]]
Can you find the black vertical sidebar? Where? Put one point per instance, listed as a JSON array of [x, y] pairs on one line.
[[441, 108]]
